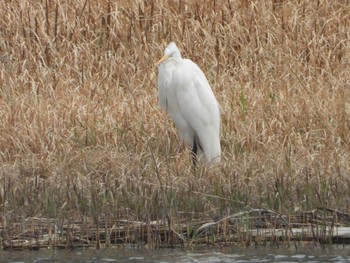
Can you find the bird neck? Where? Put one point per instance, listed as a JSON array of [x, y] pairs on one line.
[[177, 55]]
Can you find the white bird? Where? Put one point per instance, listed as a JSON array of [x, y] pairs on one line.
[[185, 94]]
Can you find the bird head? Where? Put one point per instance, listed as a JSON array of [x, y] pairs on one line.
[[170, 51]]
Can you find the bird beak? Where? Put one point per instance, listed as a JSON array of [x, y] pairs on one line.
[[165, 57]]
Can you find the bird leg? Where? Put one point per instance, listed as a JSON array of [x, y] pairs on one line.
[[194, 152], [195, 148]]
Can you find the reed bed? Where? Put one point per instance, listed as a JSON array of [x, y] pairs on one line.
[[81, 135]]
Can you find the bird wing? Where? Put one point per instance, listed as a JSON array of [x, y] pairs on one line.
[[197, 105], [194, 94]]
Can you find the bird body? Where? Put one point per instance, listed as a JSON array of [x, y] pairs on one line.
[[185, 94]]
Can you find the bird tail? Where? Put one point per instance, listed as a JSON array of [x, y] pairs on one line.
[[210, 144]]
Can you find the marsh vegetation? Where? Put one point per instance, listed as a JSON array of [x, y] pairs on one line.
[[82, 139]]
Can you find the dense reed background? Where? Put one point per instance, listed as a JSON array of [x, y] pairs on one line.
[[80, 131]]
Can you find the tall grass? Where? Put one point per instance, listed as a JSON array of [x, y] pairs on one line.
[[81, 134]]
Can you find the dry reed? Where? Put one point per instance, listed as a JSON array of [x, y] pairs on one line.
[[81, 134]]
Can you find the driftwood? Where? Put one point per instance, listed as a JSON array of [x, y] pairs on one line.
[[258, 226]]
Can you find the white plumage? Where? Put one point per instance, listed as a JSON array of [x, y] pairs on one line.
[[185, 94]]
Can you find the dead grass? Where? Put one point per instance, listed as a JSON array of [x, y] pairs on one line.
[[81, 133]]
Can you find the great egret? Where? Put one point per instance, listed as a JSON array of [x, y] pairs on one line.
[[185, 94]]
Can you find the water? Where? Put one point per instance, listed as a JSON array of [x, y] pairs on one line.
[[306, 254]]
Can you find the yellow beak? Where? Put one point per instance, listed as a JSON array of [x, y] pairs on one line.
[[165, 57]]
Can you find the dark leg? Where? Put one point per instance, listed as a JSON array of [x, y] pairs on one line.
[[196, 146], [194, 152]]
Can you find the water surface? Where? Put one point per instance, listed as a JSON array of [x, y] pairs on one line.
[[307, 253]]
